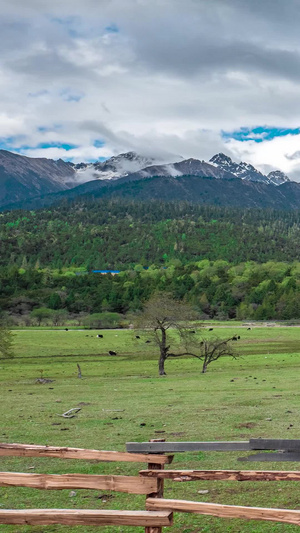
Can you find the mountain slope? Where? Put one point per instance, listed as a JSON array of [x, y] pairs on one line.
[[22, 178], [25, 177], [36, 182], [202, 190], [193, 167]]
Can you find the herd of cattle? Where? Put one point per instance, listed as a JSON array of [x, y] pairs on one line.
[[112, 352]]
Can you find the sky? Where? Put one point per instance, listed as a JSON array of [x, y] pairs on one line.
[[87, 79]]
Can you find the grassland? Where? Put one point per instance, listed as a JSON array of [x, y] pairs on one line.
[[256, 395]]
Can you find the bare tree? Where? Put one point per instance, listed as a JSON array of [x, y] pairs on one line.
[[162, 313], [207, 350]]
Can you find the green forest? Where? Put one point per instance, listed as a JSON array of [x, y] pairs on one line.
[[227, 263], [116, 234]]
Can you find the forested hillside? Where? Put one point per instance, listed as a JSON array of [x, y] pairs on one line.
[[112, 234], [215, 289], [229, 263]]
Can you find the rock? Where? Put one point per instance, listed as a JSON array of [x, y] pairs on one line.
[[203, 491], [72, 494], [268, 419]]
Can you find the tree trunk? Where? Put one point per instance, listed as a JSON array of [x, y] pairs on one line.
[[204, 368], [163, 352], [161, 365]]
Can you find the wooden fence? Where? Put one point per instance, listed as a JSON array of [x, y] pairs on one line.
[[153, 521], [289, 450], [150, 482]]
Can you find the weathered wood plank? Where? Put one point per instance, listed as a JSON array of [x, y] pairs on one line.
[[222, 475], [275, 444], [226, 511], [29, 450], [74, 517], [272, 457], [171, 447], [128, 484], [159, 491]]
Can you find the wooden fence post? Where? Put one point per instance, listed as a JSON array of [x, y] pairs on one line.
[[160, 488]]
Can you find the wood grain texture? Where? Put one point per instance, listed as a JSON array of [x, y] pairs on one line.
[[222, 475], [128, 484], [29, 450], [172, 447], [84, 517], [226, 511]]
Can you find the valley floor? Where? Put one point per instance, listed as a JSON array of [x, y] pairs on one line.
[[256, 395]]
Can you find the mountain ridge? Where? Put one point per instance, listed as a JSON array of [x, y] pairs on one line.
[[38, 182]]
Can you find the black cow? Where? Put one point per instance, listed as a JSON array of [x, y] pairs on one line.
[[111, 352], [147, 342], [100, 336], [249, 329], [211, 329], [66, 329], [137, 337], [234, 338]]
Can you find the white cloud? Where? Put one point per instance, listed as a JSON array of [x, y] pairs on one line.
[[168, 79]]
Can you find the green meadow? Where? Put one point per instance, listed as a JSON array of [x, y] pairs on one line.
[[123, 399]]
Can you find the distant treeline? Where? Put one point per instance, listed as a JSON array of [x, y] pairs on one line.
[[217, 289], [117, 234]]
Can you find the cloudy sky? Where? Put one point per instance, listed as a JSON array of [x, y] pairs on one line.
[[86, 79]]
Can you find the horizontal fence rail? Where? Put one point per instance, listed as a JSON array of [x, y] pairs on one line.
[[171, 447], [222, 475], [128, 484], [29, 450], [276, 457], [275, 444], [225, 511], [76, 517]]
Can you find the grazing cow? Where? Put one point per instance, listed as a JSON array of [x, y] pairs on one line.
[[137, 337], [147, 342], [111, 352], [249, 329], [211, 329], [192, 331], [66, 329], [100, 336], [234, 338], [239, 337]]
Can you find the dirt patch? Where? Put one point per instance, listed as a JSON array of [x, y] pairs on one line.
[[246, 425]]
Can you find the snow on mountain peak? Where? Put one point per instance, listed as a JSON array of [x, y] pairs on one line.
[[276, 177], [130, 163], [113, 168], [246, 171], [220, 159]]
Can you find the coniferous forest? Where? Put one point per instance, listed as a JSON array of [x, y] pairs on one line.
[[228, 263]]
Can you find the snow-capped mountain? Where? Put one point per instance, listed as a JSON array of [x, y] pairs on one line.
[[113, 168], [24, 177], [187, 167], [276, 177], [247, 172]]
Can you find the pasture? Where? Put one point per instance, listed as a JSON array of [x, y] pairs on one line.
[[123, 399]]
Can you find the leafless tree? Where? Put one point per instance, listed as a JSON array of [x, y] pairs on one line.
[[208, 350], [162, 313]]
